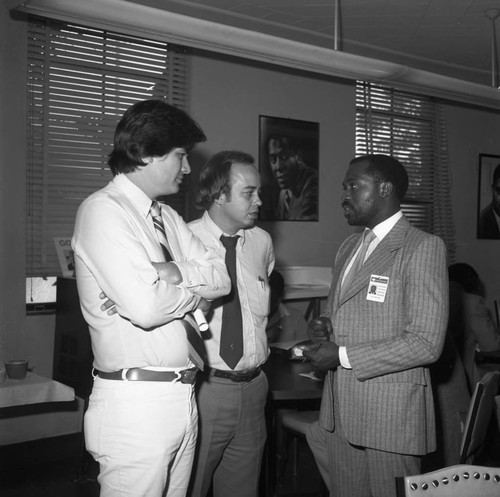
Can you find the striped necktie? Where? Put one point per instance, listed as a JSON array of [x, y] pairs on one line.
[[231, 340], [160, 229], [368, 237], [197, 352]]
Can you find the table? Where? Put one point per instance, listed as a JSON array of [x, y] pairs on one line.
[[285, 382], [36, 407], [33, 389], [488, 357], [287, 389], [306, 283], [487, 361]]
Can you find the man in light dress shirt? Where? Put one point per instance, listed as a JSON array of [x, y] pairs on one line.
[[141, 423], [231, 401], [377, 412]]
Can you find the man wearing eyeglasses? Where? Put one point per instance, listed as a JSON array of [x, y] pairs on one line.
[[489, 220]]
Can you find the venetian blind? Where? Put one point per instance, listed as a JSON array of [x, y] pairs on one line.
[[80, 81], [412, 129]]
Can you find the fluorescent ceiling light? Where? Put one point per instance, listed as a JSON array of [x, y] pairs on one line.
[[149, 22]]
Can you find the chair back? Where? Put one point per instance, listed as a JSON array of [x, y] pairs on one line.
[[463, 480], [478, 417]]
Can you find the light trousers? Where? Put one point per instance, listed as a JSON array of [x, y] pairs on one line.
[[143, 435]]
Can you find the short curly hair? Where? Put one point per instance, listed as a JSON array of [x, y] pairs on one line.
[[386, 168], [215, 176]]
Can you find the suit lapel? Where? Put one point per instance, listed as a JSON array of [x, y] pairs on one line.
[[378, 261]]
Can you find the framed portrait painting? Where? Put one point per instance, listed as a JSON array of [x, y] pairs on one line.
[[288, 162], [488, 205]]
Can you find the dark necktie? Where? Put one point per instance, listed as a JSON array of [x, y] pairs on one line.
[[197, 352], [368, 237], [231, 340]]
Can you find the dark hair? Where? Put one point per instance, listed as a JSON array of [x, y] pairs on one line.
[[215, 176], [276, 283], [386, 168], [151, 128], [466, 276], [293, 145], [496, 174], [284, 140]]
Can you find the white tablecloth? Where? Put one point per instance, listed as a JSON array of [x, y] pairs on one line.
[[33, 389]]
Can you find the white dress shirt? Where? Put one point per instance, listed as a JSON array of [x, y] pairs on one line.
[[115, 244], [254, 263]]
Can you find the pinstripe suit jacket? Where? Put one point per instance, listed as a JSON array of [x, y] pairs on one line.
[[385, 401]]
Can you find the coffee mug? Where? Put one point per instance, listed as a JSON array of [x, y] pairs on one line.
[[17, 369]]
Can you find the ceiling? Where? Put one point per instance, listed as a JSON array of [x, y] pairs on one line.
[[449, 37]]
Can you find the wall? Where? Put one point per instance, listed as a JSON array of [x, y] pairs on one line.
[[228, 96], [13, 335], [470, 132]]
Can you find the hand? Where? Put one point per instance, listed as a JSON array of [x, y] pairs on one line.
[[168, 271], [108, 306], [323, 355], [319, 329], [204, 305]]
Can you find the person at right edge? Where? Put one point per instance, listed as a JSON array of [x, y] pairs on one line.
[[376, 338]]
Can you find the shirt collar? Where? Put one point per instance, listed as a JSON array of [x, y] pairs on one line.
[[383, 228], [217, 232], [136, 196]]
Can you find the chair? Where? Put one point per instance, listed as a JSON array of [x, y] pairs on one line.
[[497, 404], [463, 480], [478, 417], [294, 424]]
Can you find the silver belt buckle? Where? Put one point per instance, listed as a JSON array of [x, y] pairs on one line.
[[190, 376]]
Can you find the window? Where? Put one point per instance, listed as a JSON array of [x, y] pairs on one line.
[[80, 81], [412, 129]]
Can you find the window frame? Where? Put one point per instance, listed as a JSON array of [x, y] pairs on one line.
[[80, 80]]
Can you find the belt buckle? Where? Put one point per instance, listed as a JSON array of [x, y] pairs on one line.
[[187, 376], [240, 378]]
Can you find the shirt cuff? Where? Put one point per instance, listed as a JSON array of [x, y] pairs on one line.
[[344, 360]]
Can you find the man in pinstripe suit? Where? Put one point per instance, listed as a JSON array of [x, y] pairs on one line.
[[376, 338]]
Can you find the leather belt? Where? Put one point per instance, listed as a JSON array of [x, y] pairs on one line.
[[235, 376], [187, 376]]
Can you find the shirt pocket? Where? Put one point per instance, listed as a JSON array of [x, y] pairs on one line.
[[260, 297]]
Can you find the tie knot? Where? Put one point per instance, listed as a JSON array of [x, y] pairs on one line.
[[155, 209], [368, 236], [229, 241]]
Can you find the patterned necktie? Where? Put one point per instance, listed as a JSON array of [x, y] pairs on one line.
[[368, 237], [160, 229], [231, 340], [197, 352]]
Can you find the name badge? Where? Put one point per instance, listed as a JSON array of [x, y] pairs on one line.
[[377, 288]]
